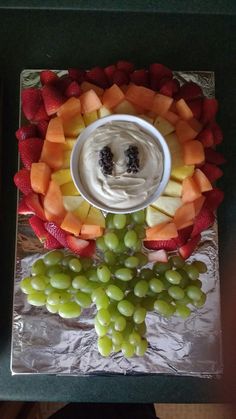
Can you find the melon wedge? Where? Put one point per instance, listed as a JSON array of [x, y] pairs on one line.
[[173, 188], [82, 211], [91, 231], [72, 224], [69, 189], [69, 143], [191, 190], [55, 131], [90, 101], [70, 108], [72, 203], [181, 172], [53, 201], [166, 231], [61, 176], [103, 111], [95, 217], [52, 154], [90, 117], [73, 126], [167, 204], [164, 126], [40, 174], [155, 217], [125, 107]]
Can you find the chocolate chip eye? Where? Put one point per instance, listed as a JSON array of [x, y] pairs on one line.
[[106, 160], [132, 159]]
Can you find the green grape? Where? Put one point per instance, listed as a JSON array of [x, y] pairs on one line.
[[97, 294], [121, 248], [114, 292], [104, 317], [130, 239], [165, 296], [182, 311], [200, 302], [176, 292], [104, 346], [52, 308], [75, 265], [151, 293], [113, 311], [141, 347], [184, 301], [49, 289], [99, 329], [86, 263], [146, 274], [143, 259], [138, 246], [84, 300], [111, 240], [165, 283], [134, 338], [109, 221], [141, 288], [53, 257], [138, 217], [119, 221], [173, 277], [133, 299], [127, 349], [141, 328], [116, 348], [26, 287], [201, 267], [101, 245], [103, 273], [128, 330], [194, 292], [177, 261], [100, 298], [55, 298], [39, 282], [131, 262], [91, 274], [120, 323], [79, 281], [123, 285], [37, 299], [164, 308], [69, 310], [192, 271], [109, 257], [139, 315], [89, 287], [38, 267], [65, 260], [71, 290], [196, 282], [124, 274], [117, 338], [56, 269], [125, 308], [156, 285], [148, 303], [60, 281], [184, 278], [161, 267], [140, 230]]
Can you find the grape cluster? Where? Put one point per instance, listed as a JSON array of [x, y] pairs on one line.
[[119, 284], [106, 160]]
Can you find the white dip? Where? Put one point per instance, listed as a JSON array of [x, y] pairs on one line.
[[121, 190]]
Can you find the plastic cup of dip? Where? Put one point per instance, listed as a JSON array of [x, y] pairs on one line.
[[120, 192]]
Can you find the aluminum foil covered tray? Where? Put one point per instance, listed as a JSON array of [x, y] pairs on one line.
[[46, 344]]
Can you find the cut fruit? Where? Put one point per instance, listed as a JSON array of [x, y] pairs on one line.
[[167, 204], [90, 117], [161, 104], [202, 181], [203, 221], [82, 210], [140, 96], [181, 172], [112, 97], [56, 232], [72, 224], [214, 157], [69, 189], [206, 137], [184, 215], [167, 232], [189, 91], [193, 152], [173, 188], [86, 86], [53, 201], [198, 204], [185, 132], [147, 118], [30, 150], [70, 108], [168, 245], [62, 176], [158, 256], [80, 247], [66, 159], [125, 107], [163, 126], [69, 144], [155, 217], [175, 150], [95, 217], [103, 111], [34, 204], [53, 98], [187, 249], [211, 171], [90, 102], [171, 117], [72, 203], [214, 199], [53, 217], [40, 174], [191, 190], [183, 110], [52, 154], [55, 132], [91, 231], [73, 126]]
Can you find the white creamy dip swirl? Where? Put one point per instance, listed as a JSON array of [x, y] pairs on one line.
[[121, 190]]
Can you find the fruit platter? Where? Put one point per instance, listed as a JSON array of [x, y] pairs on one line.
[[117, 291]]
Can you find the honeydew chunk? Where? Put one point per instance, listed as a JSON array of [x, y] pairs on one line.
[[173, 188], [155, 217], [167, 204], [164, 126]]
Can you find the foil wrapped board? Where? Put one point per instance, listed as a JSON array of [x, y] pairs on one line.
[[43, 343]]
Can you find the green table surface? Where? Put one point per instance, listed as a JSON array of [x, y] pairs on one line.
[[62, 39]]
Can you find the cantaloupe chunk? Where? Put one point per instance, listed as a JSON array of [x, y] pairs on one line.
[[70, 108], [52, 154], [173, 188], [85, 86], [164, 126], [150, 232], [193, 152], [161, 104], [73, 126], [141, 96], [155, 217], [91, 231], [90, 117], [191, 190], [198, 204], [184, 215], [72, 224], [90, 101], [95, 217], [40, 174], [53, 201], [56, 218], [69, 189], [166, 232], [172, 117], [66, 159], [195, 124], [62, 176], [183, 110], [124, 88], [112, 97], [202, 181], [184, 131], [125, 107], [55, 131], [167, 204]]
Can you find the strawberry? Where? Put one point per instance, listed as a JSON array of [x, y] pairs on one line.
[[187, 249], [23, 208], [79, 246], [89, 251], [63, 82], [120, 77], [38, 228], [48, 76], [206, 137], [170, 87], [73, 90], [77, 74], [157, 73], [30, 151], [33, 202], [209, 110], [97, 76], [160, 244], [22, 181], [196, 107], [203, 221], [158, 256], [126, 66], [52, 98], [140, 77], [26, 131], [31, 102], [183, 236], [51, 243], [213, 199], [109, 71], [56, 232], [211, 171], [217, 133], [214, 157], [42, 127], [41, 114], [189, 91]]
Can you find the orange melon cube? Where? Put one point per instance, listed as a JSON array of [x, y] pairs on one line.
[[124, 88], [112, 97], [171, 117], [52, 154], [161, 104], [53, 217], [55, 132], [90, 102], [193, 152], [140, 96], [183, 110], [184, 215], [198, 204], [167, 232], [91, 231], [53, 201], [70, 108], [191, 190], [85, 86], [184, 131], [195, 124], [72, 224], [151, 231], [40, 174], [202, 181]]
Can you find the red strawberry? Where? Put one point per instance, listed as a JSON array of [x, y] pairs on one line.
[[42, 127], [140, 77], [170, 87], [41, 114], [126, 66], [206, 137], [213, 199], [52, 98], [79, 246], [189, 91], [77, 74], [63, 82], [120, 77], [51, 243], [158, 256], [33, 202], [109, 71], [183, 236], [26, 131], [37, 226], [160, 244], [30, 151], [22, 181], [217, 133], [48, 76], [31, 102], [73, 90], [203, 221], [157, 73], [97, 76], [196, 107], [187, 249], [209, 110], [89, 251], [23, 208], [214, 157], [56, 232], [211, 171]]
